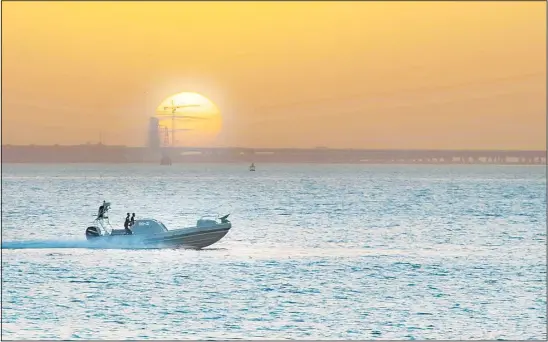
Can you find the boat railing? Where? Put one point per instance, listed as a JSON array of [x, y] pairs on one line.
[[103, 224], [106, 226], [209, 216]]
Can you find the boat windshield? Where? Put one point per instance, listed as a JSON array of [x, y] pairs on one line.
[[148, 226]]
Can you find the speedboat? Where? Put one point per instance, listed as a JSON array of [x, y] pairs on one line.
[[151, 233]]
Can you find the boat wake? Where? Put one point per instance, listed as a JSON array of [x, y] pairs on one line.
[[55, 244]]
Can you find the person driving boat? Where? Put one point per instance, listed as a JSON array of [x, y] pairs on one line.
[[127, 223]]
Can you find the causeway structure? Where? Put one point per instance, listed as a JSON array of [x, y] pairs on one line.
[[99, 153]]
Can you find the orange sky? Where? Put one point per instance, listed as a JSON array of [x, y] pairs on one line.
[[348, 74]]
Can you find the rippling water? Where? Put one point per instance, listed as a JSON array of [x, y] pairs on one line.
[[316, 251]]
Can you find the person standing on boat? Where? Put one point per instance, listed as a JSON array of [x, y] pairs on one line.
[[101, 212], [126, 225]]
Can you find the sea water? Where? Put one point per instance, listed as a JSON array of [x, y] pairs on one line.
[[315, 252]]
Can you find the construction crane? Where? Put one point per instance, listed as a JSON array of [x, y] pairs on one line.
[[166, 134], [174, 117]]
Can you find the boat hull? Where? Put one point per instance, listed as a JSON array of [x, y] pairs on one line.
[[195, 240], [187, 238]]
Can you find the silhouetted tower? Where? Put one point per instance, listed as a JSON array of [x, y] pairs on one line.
[[166, 137], [154, 133]]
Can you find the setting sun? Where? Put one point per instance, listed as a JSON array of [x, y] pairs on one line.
[[195, 120]]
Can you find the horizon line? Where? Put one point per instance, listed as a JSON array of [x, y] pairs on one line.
[[269, 148]]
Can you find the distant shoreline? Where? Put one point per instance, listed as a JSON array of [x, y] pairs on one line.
[[105, 146], [285, 163], [100, 154]]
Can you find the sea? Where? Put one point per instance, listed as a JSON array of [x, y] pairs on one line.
[[370, 252]]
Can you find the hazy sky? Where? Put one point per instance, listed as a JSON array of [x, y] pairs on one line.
[[287, 74]]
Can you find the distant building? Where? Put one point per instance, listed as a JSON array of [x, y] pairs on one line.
[[153, 133]]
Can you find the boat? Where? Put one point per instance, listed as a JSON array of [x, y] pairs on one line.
[[151, 233], [252, 167], [166, 160]]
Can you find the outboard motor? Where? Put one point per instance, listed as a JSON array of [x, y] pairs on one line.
[[92, 233]]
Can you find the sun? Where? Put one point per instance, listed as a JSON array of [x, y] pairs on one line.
[[193, 119]]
